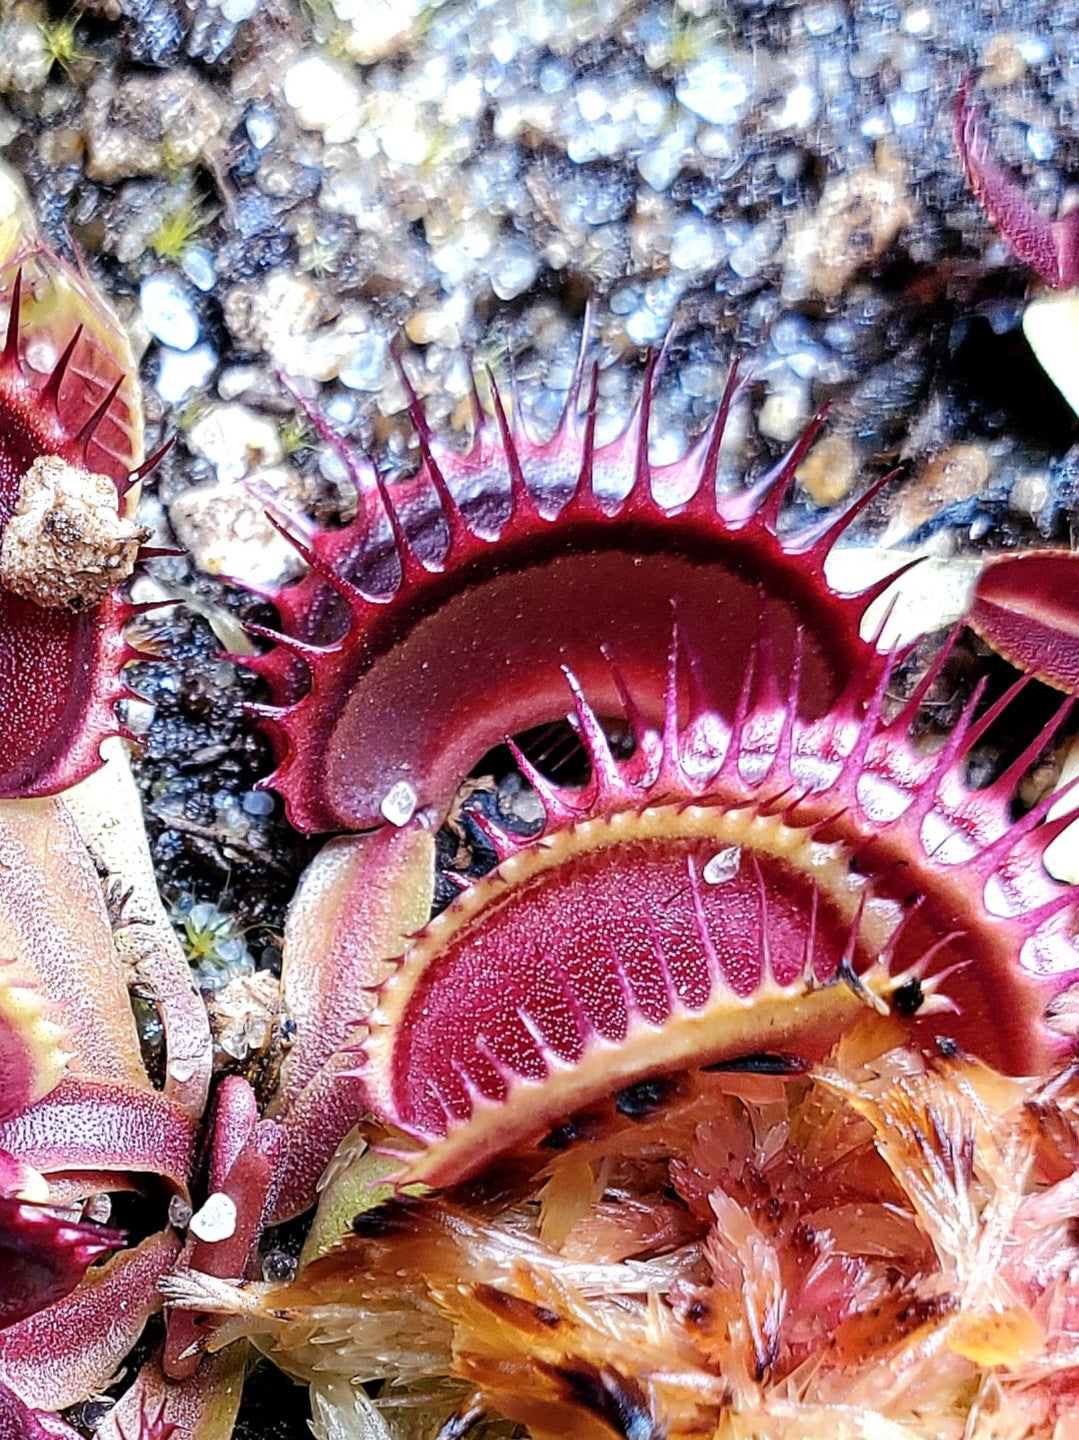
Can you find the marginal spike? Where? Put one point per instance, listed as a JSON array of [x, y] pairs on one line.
[[765, 929], [160, 552], [86, 434], [522, 501], [704, 491], [845, 970], [583, 492], [517, 409], [811, 934], [573, 394], [134, 609], [873, 592], [641, 489], [304, 649], [868, 729], [358, 468], [881, 626], [456, 524], [954, 747], [11, 342], [988, 858], [730, 768], [355, 597], [1031, 921], [820, 539], [451, 511], [784, 756], [923, 962], [413, 570], [51, 389], [1007, 782], [711, 956], [891, 945], [479, 414], [606, 779], [558, 811], [993, 713], [634, 715], [151, 464], [775, 484], [500, 840], [909, 713], [415, 404], [671, 774]]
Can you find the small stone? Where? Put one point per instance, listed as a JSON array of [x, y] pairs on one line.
[[261, 127], [199, 266], [216, 1220], [1030, 495], [24, 58], [367, 364], [235, 441], [279, 1267], [179, 372], [377, 28], [434, 327], [147, 124], [715, 90], [282, 317], [98, 1209], [695, 245], [783, 415], [822, 20], [139, 716], [829, 470], [179, 1212], [513, 270], [1003, 63], [958, 473], [227, 531], [399, 803], [246, 1017], [723, 866], [858, 217], [167, 312], [799, 108], [66, 545], [325, 97]]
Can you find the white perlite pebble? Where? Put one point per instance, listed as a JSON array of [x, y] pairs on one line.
[[181, 371], [216, 1220], [66, 545], [723, 865], [399, 803], [325, 97], [226, 529], [168, 313], [235, 440]]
